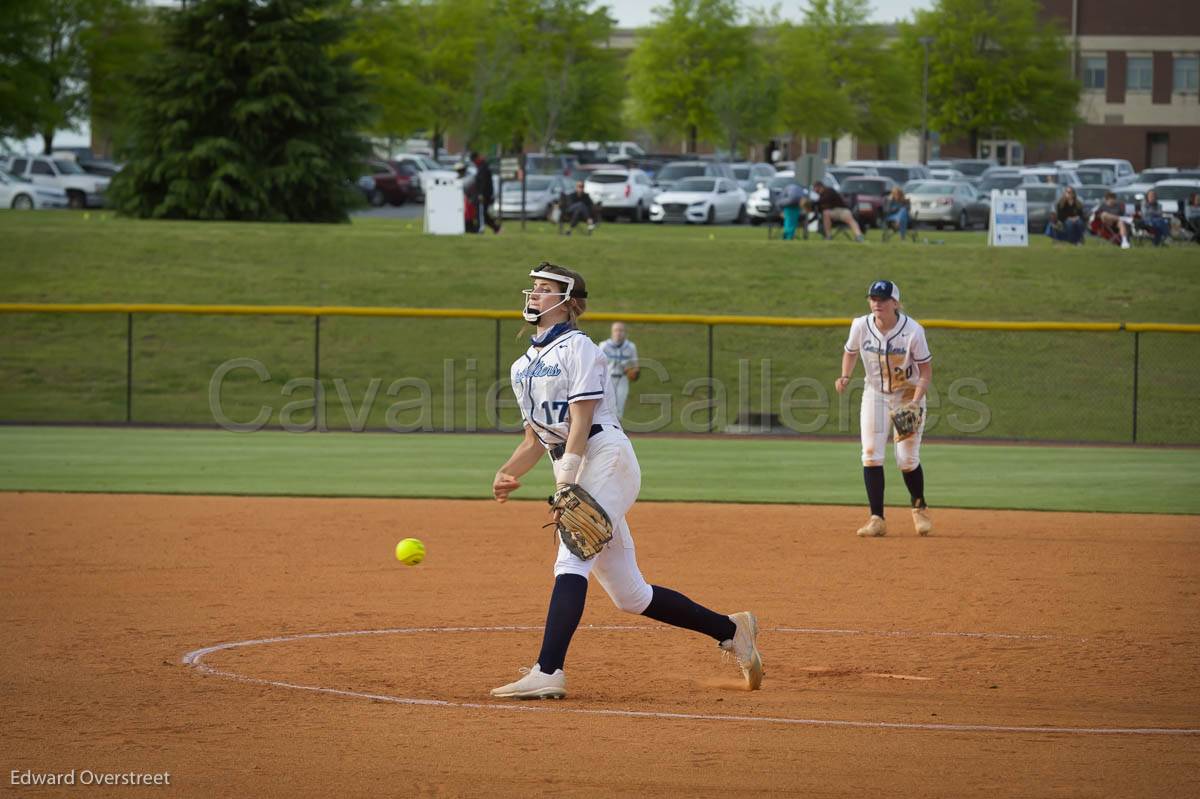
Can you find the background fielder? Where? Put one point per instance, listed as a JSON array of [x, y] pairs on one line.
[[623, 368], [899, 368], [566, 399]]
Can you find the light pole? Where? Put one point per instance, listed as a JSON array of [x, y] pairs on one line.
[[925, 42]]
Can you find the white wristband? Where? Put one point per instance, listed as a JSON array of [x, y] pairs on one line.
[[566, 468]]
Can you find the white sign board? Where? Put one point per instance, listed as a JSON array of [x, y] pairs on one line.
[[1008, 222], [444, 204]]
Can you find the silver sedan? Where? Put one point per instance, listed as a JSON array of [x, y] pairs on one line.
[[942, 203]]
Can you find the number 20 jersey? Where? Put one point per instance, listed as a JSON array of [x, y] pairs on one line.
[[547, 380], [891, 358]]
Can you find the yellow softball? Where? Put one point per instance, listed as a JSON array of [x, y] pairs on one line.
[[410, 552]]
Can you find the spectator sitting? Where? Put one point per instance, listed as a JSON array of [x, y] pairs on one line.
[[1154, 218], [578, 207], [1191, 214], [1067, 221], [895, 210], [1111, 213], [833, 209]]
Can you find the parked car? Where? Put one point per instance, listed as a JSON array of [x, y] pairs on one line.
[[1174, 193], [618, 151], [82, 190], [22, 194], [543, 164], [392, 184], [701, 199], [941, 203], [676, 171], [946, 174], [1040, 199], [627, 193], [1095, 176], [972, 167], [865, 196], [844, 173], [420, 164], [1120, 167], [542, 192], [763, 203], [1001, 181], [749, 176], [1090, 197], [899, 172], [1049, 174]]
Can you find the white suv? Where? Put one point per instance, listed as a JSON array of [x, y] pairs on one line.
[[83, 190], [621, 193]]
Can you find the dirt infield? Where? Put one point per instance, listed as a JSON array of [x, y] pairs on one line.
[[895, 667]]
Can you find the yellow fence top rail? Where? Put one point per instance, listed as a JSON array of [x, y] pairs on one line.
[[647, 318]]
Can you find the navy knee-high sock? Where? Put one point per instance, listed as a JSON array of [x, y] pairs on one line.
[[566, 609], [873, 477], [915, 480], [673, 608]]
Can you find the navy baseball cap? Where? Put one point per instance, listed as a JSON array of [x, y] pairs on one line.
[[884, 289]]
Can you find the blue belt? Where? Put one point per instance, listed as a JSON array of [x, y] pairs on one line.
[[558, 450]]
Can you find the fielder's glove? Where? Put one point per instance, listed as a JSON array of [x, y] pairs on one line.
[[907, 420], [632, 373], [582, 524]]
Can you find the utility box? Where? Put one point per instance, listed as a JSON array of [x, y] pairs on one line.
[[809, 169], [444, 204]]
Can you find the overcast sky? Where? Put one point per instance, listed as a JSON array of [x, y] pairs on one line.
[[636, 13]]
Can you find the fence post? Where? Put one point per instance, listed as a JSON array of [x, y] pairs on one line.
[[1136, 359], [317, 348], [711, 388], [128, 368], [497, 350]]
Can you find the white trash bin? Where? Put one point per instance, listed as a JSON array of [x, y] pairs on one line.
[[444, 203]]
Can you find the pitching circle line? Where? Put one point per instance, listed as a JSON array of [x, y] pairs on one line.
[[195, 660]]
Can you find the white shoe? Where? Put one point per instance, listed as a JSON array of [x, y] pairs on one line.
[[744, 648], [921, 521], [875, 527], [1124, 244], [534, 685]]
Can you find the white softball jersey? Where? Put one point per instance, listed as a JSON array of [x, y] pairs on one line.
[[620, 356], [891, 358], [547, 380]]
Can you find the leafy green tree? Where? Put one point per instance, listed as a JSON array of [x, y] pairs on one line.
[[570, 87], [121, 36], [246, 115], [843, 77], [745, 100], [386, 52], [675, 66], [21, 80], [995, 68]]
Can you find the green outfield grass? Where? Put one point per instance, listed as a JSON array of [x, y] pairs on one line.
[[1034, 385], [697, 469]]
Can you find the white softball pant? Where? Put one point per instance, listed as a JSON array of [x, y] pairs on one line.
[[610, 473], [875, 421]]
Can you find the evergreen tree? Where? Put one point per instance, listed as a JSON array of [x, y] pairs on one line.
[[247, 115]]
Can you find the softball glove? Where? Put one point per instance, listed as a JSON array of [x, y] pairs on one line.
[[907, 420], [582, 524]]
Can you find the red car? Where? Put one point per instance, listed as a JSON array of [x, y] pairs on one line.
[[866, 196], [393, 183]]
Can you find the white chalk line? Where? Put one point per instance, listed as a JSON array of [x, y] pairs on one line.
[[195, 658]]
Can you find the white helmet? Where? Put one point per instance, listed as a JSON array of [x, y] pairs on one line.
[[531, 315]]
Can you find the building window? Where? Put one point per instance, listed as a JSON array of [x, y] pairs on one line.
[[1187, 74], [1141, 75], [1095, 70]]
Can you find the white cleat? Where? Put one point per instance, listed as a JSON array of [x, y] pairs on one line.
[[745, 649], [921, 521], [534, 685], [874, 528]]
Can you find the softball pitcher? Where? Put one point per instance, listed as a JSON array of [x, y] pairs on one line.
[[899, 369], [566, 398], [623, 367]]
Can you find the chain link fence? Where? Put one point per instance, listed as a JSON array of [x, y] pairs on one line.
[[404, 370]]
